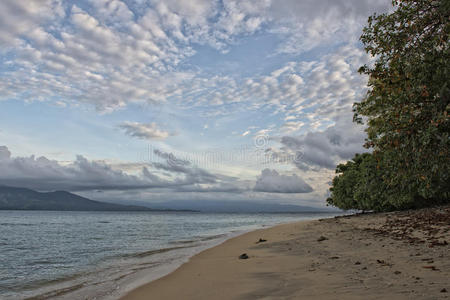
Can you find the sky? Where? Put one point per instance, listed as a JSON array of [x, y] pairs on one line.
[[181, 100]]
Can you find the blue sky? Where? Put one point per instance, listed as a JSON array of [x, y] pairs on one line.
[[162, 100]]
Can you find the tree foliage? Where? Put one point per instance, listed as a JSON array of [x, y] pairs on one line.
[[360, 185], [406, 107]]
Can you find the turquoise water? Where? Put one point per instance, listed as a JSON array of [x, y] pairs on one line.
[[79, 255]]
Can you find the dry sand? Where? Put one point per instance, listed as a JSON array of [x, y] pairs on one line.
[[371, 256]]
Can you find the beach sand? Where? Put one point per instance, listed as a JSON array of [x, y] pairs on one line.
[[401, 255]]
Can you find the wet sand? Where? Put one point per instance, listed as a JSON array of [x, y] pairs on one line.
[[400, 255]]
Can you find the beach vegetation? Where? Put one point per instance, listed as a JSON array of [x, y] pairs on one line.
[[406, 112]]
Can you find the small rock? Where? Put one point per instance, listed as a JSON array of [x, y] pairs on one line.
[[397, 272], [322, 238], [383, 263], [334, 257], [444, 290], [261, 241], [243, 256], [357, 263]]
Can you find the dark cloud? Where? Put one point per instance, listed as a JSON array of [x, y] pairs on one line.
[[216, 188], [43, 174], [4, 153], [192, 173], [325, 149], [272, 182]]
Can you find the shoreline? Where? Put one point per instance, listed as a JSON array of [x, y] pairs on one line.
[[124, 252], [226, 239], [353, 257], [134, 282], [113, 278]]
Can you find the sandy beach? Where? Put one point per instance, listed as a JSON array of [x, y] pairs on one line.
[[400, 255]]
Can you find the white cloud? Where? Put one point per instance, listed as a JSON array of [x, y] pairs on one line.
[[309, 94], [309, 23], [21, 17], [292, 126], [109, 55], [146, 131], [271, 181]]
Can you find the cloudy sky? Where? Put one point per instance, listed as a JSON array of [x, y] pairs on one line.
[[173, 100]]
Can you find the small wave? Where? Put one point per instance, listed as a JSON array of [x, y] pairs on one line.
[[43, 262], [212, 237], [152, 252], [44, 282], [56, 293], [183, 242], [17, 224]]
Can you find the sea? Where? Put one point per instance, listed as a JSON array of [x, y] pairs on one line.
[[104, 255]]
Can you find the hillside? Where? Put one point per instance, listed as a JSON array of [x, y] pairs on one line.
[[12, 198]]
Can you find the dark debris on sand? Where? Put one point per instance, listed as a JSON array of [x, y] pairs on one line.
[[432, 225]]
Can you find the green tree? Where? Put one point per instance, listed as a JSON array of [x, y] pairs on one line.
[[344, 185], [407, 106], [359, 185]]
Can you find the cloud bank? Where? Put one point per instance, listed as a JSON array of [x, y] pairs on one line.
[[44, 174], [271, 181], [325, 149]]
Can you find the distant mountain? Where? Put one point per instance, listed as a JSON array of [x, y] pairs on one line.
[[233, 206], [12, 198]]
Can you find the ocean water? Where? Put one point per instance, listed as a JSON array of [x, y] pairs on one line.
[[102, 255]]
